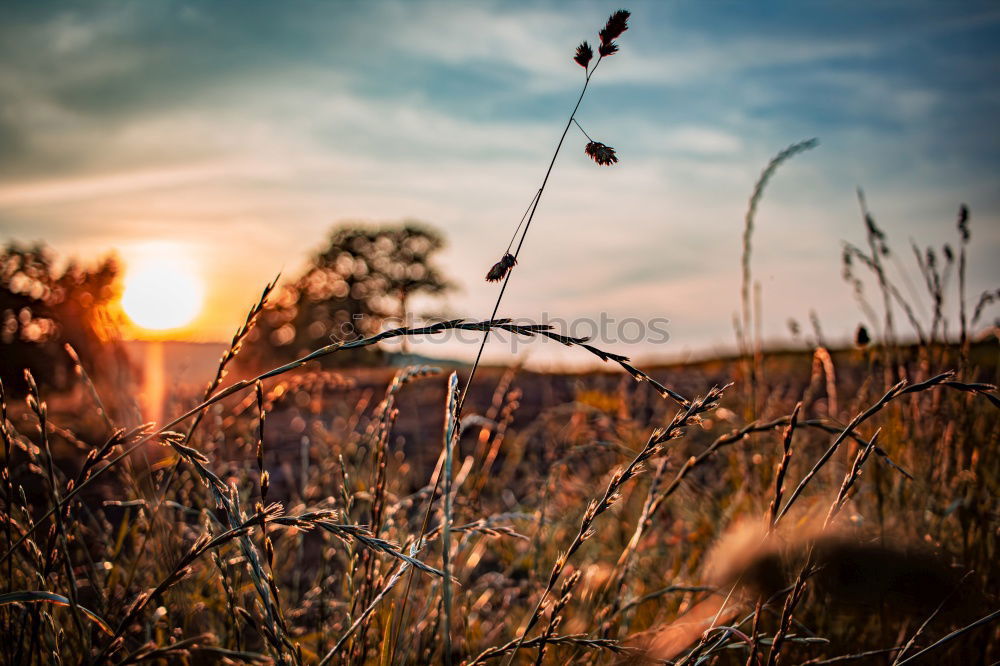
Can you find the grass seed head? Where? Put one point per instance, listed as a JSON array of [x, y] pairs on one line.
[[610, 48], [616, 25], [500, 269], [602, 154]]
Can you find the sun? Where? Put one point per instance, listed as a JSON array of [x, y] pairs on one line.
[[162, 293]]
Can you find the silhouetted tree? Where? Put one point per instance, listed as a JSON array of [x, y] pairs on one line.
[[364, 276], [44, 306]]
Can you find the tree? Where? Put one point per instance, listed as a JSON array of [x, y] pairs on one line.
[[364, 276], [43, 307]]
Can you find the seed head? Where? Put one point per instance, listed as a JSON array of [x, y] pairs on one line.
[[616, 25], [500, 269], [600, 153], [608, 49], [583, 54], [612, 30]]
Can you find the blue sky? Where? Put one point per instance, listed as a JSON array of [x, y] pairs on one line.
[[242, 131]]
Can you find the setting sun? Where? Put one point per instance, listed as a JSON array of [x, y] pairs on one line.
[[162, 294]]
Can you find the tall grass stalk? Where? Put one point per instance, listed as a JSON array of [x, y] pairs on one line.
[[616, 25], [746, 325]]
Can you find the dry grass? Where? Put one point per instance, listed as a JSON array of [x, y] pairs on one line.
[[818, 507], [546, 566]]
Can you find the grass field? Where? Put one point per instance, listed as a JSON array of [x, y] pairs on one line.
[[213, 543], [816, 505]]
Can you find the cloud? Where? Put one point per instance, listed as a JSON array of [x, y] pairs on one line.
[[249, 130]]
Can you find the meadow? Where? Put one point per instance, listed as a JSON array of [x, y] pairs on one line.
[[810, 505]]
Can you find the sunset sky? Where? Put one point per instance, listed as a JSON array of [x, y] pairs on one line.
[[238, 133]]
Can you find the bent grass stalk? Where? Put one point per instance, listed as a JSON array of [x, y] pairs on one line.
[[748, 226], [795, 596], [900, 389], [172, 439], [657, 496]]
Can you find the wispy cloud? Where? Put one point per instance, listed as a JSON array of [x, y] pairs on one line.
[[250, 129]]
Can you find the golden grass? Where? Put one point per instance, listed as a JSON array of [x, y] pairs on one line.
[[597, 518]]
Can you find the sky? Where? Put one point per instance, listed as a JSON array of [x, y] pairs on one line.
[[239, 133]]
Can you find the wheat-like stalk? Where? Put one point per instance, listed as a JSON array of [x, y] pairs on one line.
[[748, 227]]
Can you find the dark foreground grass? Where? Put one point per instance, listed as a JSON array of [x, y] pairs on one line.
[[601, 526]]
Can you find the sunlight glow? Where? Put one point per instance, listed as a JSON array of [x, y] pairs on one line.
[[162, 293]]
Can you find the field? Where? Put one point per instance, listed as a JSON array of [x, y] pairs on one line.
[[217, 544], [815, 504]]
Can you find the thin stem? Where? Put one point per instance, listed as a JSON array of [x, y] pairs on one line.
[[532, 208], [582, 130], [527, 226], [523, 218], [955, 634]]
